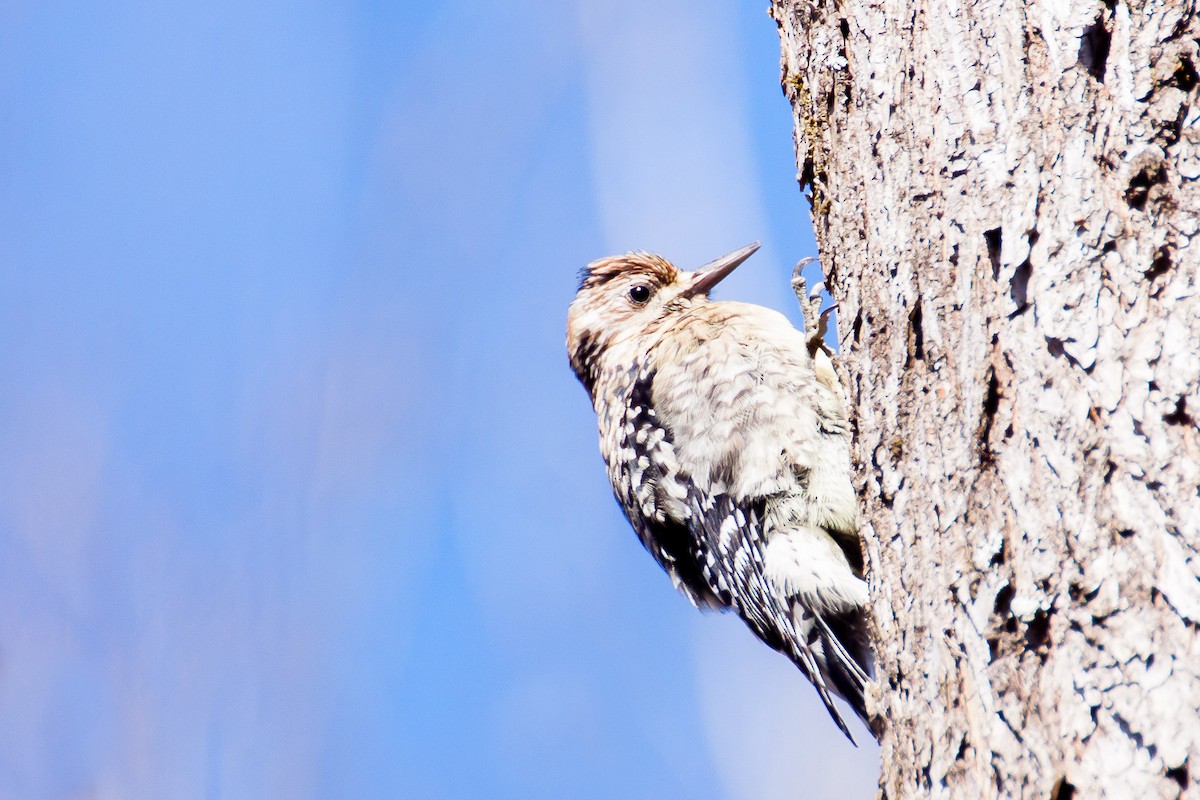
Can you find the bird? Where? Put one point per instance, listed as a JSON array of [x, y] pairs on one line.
[[728, 448]]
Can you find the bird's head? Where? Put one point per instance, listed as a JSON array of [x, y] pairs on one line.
[[623, 297]]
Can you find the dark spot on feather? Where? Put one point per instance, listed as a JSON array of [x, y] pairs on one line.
[[585, 361]]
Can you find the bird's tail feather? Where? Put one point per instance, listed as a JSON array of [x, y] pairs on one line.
[[848, 663], [804, 657], [834, 653]]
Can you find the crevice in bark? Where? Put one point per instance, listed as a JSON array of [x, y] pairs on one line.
[[993, 240], [991, 403], [1185, 77], [1171, 130], [846, 81], [1020, 283], [1063, 790], [993, 643], [1005, 622], [1179, 775], [1001, 555], [1055, 348], [1180, 415], [1161, 264], [1014, 730], [916, 339], [807, 173], [1138, 740], [886, 497], [1003, 605], [1037, 633], [1141, 183], [1080, 595], [1094, 45]]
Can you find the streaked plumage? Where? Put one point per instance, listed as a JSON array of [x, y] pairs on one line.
[[728, 449]]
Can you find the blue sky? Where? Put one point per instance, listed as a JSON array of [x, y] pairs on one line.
[[298, 496]]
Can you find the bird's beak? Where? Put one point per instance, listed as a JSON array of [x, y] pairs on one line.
[[708, 276]]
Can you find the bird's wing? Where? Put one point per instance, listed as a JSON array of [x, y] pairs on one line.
[[732, 548], [653, 492]]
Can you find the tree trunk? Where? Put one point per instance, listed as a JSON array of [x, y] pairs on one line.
[[1005, 198]]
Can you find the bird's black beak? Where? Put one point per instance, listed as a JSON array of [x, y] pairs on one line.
[[712, 273]]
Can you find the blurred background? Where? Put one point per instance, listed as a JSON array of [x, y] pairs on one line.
[[298, 495]]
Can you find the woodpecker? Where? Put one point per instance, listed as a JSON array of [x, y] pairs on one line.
[[727, 446]]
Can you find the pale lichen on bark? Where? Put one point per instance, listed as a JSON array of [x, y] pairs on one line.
[[1006, 202]]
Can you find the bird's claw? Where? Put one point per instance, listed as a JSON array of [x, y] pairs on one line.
[[798, 273], [817, 338], [814, 294], [815, 320]]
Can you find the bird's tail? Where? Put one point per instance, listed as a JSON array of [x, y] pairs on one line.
[[848, 663], [839, 661]]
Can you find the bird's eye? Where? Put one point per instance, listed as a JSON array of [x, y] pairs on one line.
[[639, 294]]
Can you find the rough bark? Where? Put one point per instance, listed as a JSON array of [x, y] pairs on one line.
[[1005, 199]]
